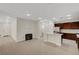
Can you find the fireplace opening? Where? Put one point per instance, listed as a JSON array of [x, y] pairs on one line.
[[28, 36]]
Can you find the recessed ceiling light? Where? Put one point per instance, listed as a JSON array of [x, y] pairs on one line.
[[68, 15], [69, 18], [28, 14]]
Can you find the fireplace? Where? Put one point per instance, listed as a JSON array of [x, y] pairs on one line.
[[28, 36]]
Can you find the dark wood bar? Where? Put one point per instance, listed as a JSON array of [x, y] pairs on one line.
[[69, 36]]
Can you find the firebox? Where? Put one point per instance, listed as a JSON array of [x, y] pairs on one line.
[[28, 36]]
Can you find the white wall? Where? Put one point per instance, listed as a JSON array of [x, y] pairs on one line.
[[13, 28], [8, 26], [46, 26], [25, 26], [70, 30], [4, 25]]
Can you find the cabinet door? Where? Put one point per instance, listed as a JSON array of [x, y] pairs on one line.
[[75, 25], [69, 36], [67, 26]]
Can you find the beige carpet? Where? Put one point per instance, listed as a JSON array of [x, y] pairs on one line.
[[36, 47], [6, 40]]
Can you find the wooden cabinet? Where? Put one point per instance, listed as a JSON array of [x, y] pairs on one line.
[[69, 36], [66, 26], [73, 25], [69, 25], [59, 25]]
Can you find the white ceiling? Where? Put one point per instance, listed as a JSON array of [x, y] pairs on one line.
[[46, 11]]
